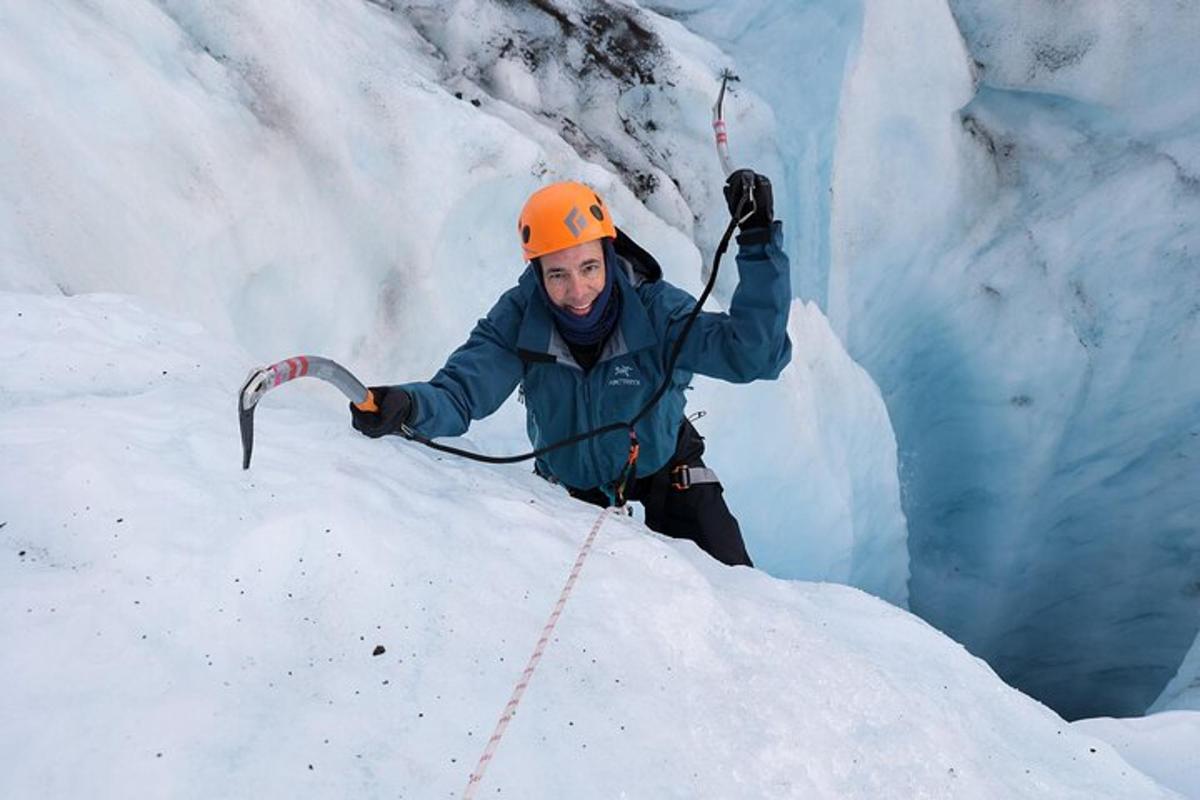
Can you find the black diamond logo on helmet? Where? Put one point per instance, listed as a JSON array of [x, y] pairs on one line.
[[576, 222]]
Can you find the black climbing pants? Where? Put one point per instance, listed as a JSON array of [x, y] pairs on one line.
[[697, 513]]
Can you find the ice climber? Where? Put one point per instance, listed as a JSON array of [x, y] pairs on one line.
[[587, 333]]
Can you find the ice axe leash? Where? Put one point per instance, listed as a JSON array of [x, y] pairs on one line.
[[629, 471]]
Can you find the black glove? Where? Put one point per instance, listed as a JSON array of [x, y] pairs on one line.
[[395, 408], [747, 187]]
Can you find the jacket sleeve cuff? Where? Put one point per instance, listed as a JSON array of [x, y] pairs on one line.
[[756, 235], [415, 390]]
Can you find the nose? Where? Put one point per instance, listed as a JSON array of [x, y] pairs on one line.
[[576, 288]]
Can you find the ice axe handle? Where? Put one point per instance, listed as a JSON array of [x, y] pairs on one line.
[[369, 405], [718, 123]]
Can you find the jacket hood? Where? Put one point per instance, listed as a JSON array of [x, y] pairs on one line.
[[643, 264]]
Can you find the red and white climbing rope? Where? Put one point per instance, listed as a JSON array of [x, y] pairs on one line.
[[511, 708]]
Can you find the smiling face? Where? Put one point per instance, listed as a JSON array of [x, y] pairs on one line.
[[574, 277]]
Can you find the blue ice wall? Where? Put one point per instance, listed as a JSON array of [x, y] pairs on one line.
[[791, 55], [1024, 284], [998, 206]]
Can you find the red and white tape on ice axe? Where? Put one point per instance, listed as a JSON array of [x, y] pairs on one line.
[[718, 123], [510, 709], [265, 379]]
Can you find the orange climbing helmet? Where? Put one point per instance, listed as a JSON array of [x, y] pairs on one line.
[[562, 215]]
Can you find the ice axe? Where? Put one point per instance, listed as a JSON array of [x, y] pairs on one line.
[[265, 379], [718, 122]]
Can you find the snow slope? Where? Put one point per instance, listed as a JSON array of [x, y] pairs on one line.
[[177, 627], [1162, 745]]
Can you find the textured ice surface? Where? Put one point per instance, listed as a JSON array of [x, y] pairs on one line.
[[791, 55], [834, 473], [176, 627], [1010, 250], [1016, 266]]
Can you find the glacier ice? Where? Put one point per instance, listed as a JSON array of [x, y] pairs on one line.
[[1183, 691], [1008, 246], [995, 205], [823, 501], [1015, 263]]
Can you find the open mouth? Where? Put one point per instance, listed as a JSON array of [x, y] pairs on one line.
[[581, 311]]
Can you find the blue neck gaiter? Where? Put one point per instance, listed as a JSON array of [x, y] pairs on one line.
[[600, 321]]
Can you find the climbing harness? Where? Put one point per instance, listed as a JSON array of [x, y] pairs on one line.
[[684, 477], [630, 469]]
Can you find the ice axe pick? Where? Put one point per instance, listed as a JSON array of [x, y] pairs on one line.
[[264, 379]]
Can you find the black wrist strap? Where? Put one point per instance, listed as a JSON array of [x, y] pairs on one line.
[[755, 235]]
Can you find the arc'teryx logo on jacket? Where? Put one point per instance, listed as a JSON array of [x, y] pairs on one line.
[[517, 343], [622, 375]]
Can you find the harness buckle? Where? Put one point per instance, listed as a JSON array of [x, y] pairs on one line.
[[629, 471], [681, 477]]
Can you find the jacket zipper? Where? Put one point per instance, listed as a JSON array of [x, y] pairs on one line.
[[592, 423]]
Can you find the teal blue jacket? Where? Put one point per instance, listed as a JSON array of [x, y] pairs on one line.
[[518, 344]]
